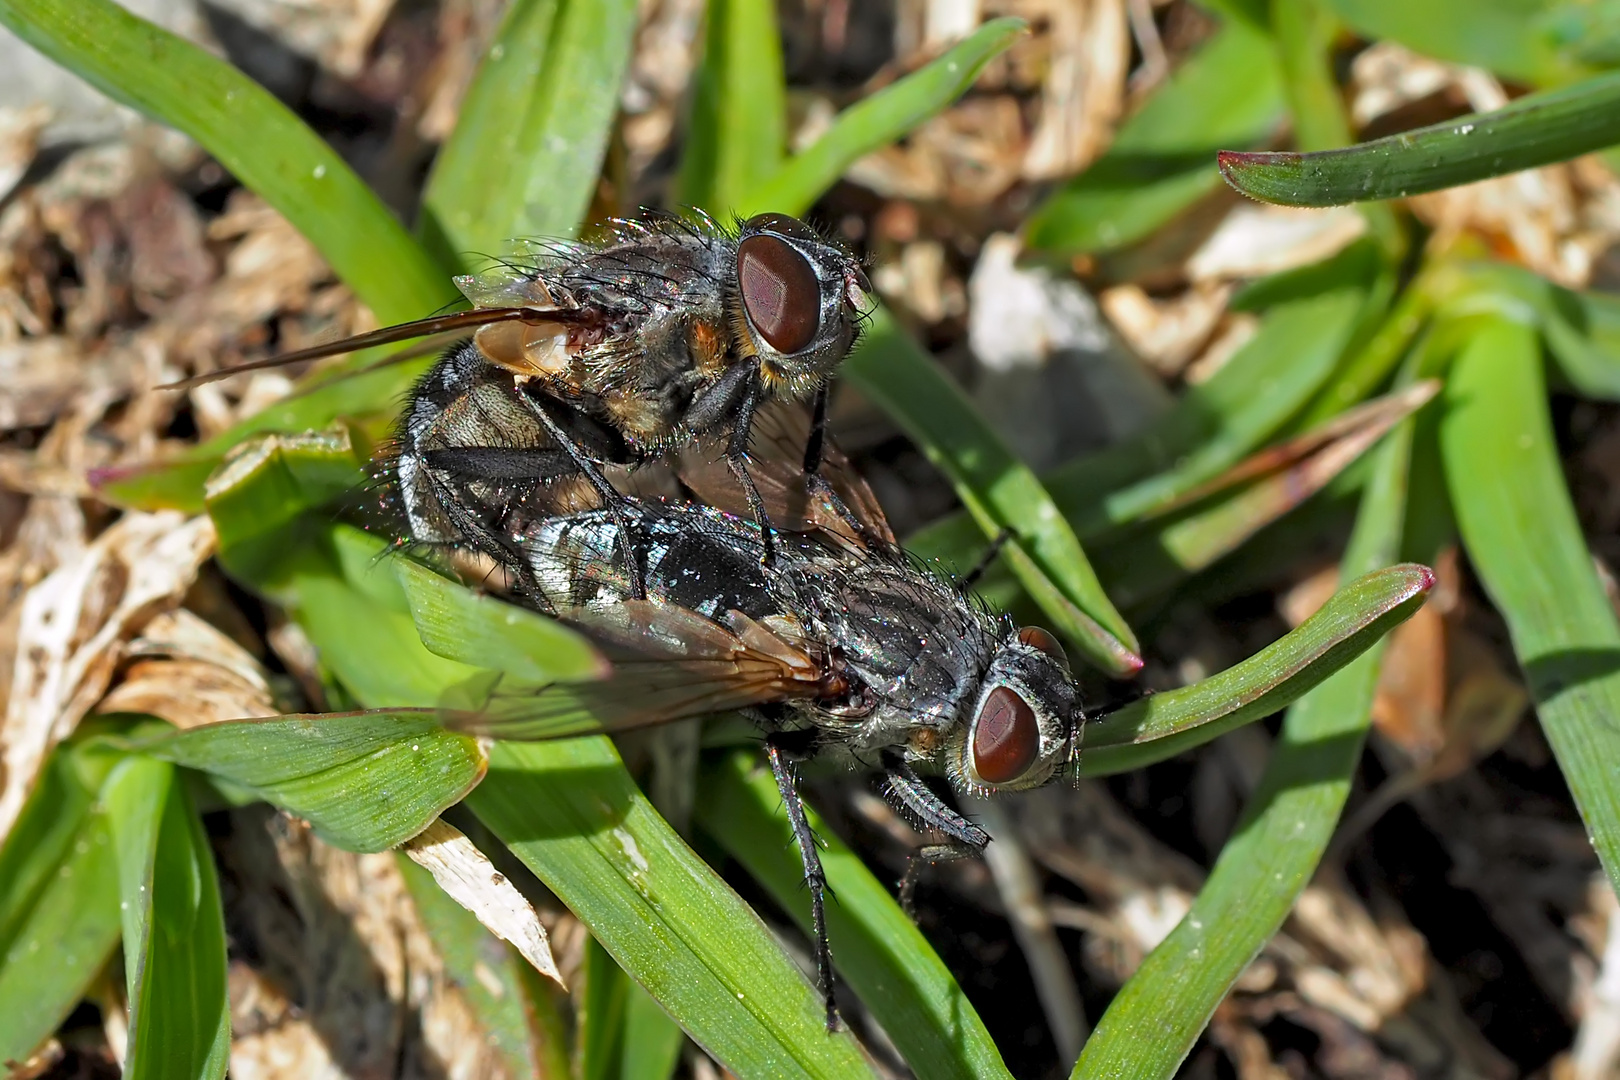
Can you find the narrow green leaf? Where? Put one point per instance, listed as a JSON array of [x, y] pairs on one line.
[[372, 649], [876, 947], [367, 782], [738, 128], [529, 140], [1532, 131], [600, 1026], [1535, 41], [174, 927], [880, 119], [652, 1041], [1163, 725], [1216, 423], [266, 484], [251, 133], [998, 490], [1520, 528], [1142, 564], [1152, 1023], [573, 815], [478, 629], [1162, 159], [59, 938]]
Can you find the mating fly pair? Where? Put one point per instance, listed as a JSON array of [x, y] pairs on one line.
[[831, 637], [615, 352]]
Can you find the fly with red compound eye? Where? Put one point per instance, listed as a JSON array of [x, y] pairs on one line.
[[843, 646], [619, 351]]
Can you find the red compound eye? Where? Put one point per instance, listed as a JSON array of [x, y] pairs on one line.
[[1006, 737], [781, 294], [1036, 638]]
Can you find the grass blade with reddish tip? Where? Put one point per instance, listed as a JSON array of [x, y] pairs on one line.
[[1351, 622], [1532, 131]]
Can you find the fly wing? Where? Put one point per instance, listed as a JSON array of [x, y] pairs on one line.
[[388, 335], [776, 462], [669, 663]]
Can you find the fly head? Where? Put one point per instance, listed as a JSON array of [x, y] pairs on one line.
[[1023, 725], [800, 298]]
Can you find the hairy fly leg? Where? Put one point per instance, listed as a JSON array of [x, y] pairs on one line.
[[971, 578], [777, 748], [907, 793], [612, 501], [816, 485]]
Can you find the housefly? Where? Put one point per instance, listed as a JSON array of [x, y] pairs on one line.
[[842, 644], [624, 349]]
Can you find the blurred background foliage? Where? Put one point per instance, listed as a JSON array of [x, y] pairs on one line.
[[1197, 413]]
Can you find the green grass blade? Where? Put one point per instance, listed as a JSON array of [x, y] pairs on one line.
[[251, 133], [366, 782], [1152, 1023], [574, 816], [875, 946], [652, 1041], [738, 129], [1162, 160], [58, 938], [174, 927], [1532, 131], [1218, 422], [997, 489], [1519, 527], [599, 1028], [475, 628], [1511, 37], [1163, 725], [880, 119], [529, 140]]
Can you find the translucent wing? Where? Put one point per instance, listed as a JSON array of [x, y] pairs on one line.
[[669, 663], [776, 462]]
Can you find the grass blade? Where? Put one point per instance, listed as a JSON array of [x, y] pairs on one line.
[[174, 927], [652, 1041], [880, 119], [1000, 492], [599, 1032], [738, 128], [251, 133], [572, 814], [478, 629], [59, 938], [1519, 526], [1152, 1023], [366, 782], [1502, 35], [1162, 159], [1532, 131], [530, 137], [1351, 622], [1216, 423], [875, 945]]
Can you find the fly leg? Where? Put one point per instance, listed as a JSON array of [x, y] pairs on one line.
[[915, 800], [970, 578], [817, 486], [815, 878], [612, 501], [737, 459]]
